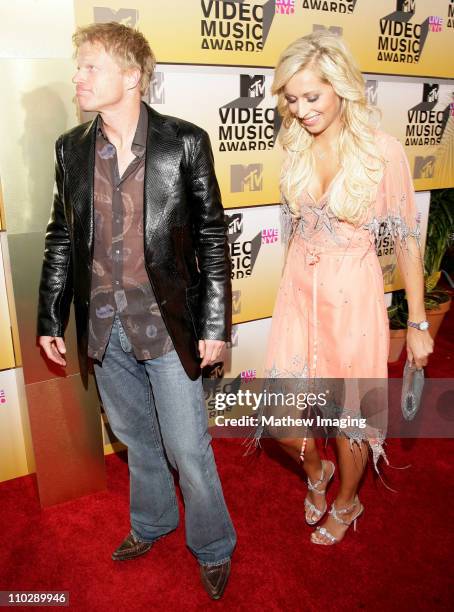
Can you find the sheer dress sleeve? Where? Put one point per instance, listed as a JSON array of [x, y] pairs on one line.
[[395, 212]]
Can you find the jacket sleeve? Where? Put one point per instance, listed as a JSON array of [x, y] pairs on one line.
[[210, 232], [56, 290]]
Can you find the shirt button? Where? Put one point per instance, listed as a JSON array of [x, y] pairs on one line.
[[117, 282], [117, 252]]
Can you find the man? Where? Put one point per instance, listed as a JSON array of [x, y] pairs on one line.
[[137, 238]]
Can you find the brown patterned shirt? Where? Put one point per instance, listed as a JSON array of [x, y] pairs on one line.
[[119, 283]]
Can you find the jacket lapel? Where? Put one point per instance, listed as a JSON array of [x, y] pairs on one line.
[[162, 163]]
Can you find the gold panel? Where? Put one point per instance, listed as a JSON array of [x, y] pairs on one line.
[[35, 108], [26, 252], [10, 298], [2, 209], [67, 440], [6, 340]]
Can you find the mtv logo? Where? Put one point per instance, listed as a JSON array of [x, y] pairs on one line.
[[125, 16], [236, 302], [430, 92], [246, 178], [2, 396], [406, 6], [336, 30], [252, 86], [424, 167], [235, 223], [235, 226], [157, 94], [235, 334], [214, 372], [371, 92]]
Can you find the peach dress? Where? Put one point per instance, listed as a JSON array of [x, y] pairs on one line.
[[330, 318]]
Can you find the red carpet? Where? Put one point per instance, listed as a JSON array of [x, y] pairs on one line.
[[400, 559]]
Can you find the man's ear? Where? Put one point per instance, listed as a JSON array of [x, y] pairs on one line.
[[132, 76]]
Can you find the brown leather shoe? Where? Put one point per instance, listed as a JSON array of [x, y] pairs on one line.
[[214, 578], [131, 548]]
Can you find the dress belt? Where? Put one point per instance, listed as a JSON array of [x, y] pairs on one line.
[[312, 258]]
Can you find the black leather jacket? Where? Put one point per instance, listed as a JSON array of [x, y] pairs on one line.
[[186, 250]]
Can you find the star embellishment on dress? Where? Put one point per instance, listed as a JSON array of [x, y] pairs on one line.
[[325, 219]]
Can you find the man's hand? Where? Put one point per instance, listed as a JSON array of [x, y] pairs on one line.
[[211, 351], [54, 347]]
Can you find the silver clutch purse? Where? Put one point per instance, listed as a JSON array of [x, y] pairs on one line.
[[412, 386]]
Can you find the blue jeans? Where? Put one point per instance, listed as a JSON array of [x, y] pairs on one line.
[[159, 413]]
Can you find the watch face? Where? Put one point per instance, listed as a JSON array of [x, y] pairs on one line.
[[424, 325]]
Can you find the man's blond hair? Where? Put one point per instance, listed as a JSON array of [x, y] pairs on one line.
[[127, 46]]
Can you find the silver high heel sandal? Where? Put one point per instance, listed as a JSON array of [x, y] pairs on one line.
[[336, 516], [312, 486]]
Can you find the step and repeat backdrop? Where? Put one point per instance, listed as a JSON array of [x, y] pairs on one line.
[[410, 37], [238, 111], [215, 68], [390, 37]]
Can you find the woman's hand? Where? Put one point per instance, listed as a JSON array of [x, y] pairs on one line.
[[419, 346]]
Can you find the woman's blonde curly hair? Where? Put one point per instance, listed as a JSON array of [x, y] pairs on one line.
[[361, 164]]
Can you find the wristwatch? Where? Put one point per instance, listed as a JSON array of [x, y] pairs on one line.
[[422, 326]]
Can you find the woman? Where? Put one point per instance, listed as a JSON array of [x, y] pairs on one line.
[[342, 183]]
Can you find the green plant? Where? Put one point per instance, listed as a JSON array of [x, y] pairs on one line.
[[440, 234], [398, 311]]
